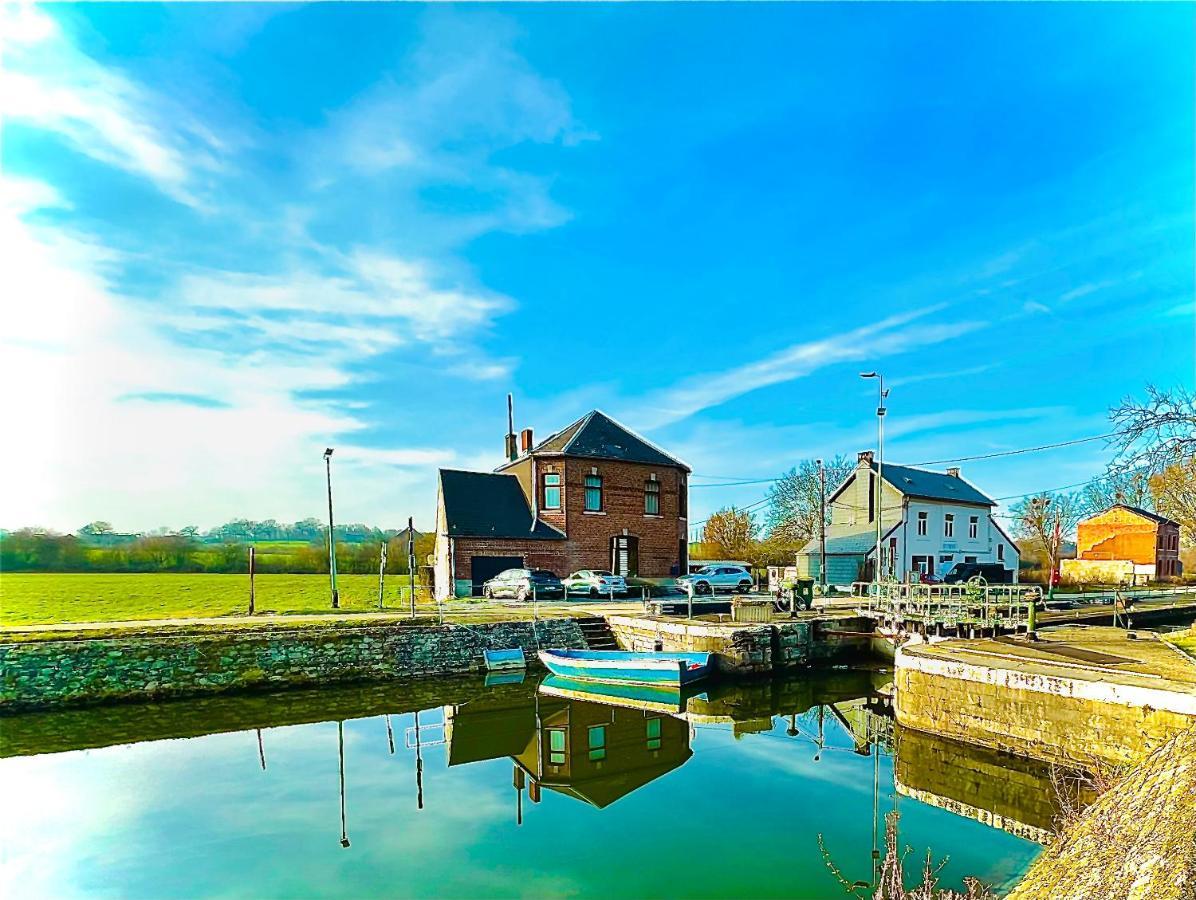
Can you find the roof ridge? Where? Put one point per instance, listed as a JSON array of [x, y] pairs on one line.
[[581, 424]]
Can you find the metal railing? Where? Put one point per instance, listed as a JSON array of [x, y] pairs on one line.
[[999, 606]]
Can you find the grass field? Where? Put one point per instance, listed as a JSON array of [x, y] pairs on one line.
[[50, 598]]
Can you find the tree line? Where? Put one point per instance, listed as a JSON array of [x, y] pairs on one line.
[[41, 550]]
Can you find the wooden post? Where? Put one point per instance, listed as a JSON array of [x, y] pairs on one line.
[[411, 560], [251, 560], [381, 574]]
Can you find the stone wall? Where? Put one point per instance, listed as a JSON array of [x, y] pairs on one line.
[[1138, 841], [48, 673], [1067, 720]]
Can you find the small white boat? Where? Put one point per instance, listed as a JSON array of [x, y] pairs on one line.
[[627, 666]]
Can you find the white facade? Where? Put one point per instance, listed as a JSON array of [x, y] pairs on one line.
[[930, 522]]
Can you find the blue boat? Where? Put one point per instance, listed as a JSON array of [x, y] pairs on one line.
[[624, 666]]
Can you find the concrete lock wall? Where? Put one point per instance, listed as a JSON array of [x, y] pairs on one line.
[[48, 673], [742, 649], [1066, 720]]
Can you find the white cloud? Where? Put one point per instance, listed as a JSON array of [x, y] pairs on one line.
[[885, 338], [79, 350], [46, 82]]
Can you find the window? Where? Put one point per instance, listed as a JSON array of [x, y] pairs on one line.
[[652, 733], [922, 520], [556, 746], [946, 557], [597, 743], [594, 493], [948, 525], [1000, 552], [652, 498], [552, 490], [973, 527]]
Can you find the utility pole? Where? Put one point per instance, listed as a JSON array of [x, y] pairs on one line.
[[822, 525], [336, 601], [411, 560], [880, 468]]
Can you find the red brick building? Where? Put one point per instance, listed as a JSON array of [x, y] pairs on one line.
[[595, 495], [1126, 533]]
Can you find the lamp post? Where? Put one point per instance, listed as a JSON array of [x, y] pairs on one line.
[[331, 531], [880, 466]]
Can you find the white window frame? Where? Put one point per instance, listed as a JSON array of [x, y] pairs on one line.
[[973, 527], [923, 523], [949, 525], [556, 486]]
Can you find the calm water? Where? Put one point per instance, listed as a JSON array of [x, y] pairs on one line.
[[727, 798]]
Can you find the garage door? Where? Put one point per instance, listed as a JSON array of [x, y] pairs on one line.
[[483, 568]]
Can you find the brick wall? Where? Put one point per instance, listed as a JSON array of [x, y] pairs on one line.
[[660, 537], [1121, 534]]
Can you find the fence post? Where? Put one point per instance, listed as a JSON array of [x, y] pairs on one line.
[[381, 574], [251, 567]]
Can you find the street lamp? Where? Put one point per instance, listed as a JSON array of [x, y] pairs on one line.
[[331, 532], [880, 465]]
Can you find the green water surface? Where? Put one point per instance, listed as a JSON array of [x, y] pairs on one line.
[[724, 794]]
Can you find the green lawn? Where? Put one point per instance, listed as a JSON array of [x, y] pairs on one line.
[[34, 599]]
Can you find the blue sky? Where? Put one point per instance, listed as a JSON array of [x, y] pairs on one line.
[[238, 234]]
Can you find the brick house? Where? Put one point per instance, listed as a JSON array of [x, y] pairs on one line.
[[595, 495], [1125, 543]]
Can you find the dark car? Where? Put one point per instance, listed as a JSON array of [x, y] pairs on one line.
[[524, 584], [993, 573]]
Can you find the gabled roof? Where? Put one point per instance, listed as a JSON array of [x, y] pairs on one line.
[[859, 542], [929, 485], [480, 504], [1144, 513], [597, 436]]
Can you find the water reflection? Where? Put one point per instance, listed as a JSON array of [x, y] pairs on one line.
[[461, 768]]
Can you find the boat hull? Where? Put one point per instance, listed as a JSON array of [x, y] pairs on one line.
[[665, 669]]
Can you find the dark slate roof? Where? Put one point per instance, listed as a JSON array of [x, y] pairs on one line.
[[597, 436], [479, 504], [1145, 513], [932, 485]]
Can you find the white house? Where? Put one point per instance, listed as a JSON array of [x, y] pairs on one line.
[[930, 521]]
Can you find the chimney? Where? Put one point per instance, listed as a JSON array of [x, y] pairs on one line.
[[525, 440], [953, 471], [864, 458], [512, 452]]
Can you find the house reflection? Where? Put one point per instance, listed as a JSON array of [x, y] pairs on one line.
[[596, 746]]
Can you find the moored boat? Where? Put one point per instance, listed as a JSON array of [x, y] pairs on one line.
[[626, 666]]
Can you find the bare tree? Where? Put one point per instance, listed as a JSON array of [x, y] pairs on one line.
[[1157, 432], [732, 532], [1047, 519], [1118, 486], [794, 499]]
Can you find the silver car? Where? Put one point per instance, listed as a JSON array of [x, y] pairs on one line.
[[711, 579], [596, 583]]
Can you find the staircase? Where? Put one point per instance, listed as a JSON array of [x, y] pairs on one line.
[[597, 633]]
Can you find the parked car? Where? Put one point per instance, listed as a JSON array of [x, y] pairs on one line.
[[711, 579], [596, 583], [993, 573], [524, 584]]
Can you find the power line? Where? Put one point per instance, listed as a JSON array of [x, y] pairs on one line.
[[745, 480], [1083, 440]]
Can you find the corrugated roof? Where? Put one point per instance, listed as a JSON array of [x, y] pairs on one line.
[[597, 436], [932, 485], [480, 504]]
